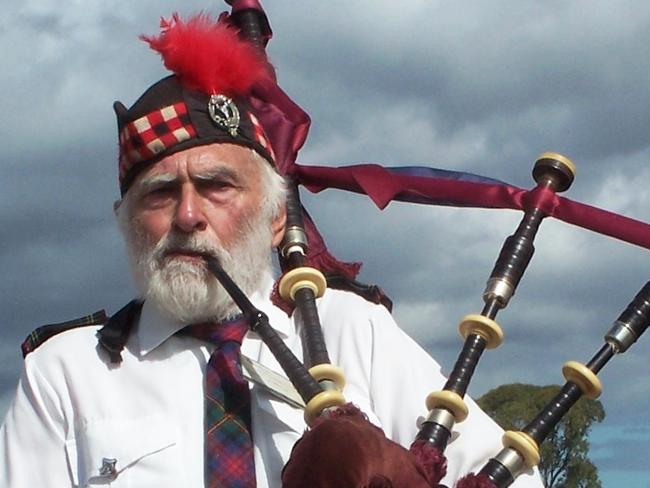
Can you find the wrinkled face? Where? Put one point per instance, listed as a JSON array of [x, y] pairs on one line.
[[208, 190], [205, 200]]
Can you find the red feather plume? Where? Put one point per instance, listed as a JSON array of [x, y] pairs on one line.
[[208, 55]]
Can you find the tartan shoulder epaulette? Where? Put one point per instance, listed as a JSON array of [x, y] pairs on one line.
[[43, 333]]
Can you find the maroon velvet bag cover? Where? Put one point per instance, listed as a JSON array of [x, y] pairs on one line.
[[344, 450]]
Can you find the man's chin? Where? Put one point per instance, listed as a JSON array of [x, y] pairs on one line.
[[188, 309]]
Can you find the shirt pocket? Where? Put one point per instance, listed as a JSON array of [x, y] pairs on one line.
[[124, 453]]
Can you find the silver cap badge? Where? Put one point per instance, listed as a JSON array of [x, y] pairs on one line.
[[224, 113]]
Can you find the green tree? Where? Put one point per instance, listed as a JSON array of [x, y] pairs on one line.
[[564, 454]]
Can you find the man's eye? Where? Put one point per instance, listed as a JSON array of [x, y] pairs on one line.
[[161, 191], [217, 185], [157, 194]]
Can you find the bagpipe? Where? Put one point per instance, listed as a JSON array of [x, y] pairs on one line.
[[341, 448]]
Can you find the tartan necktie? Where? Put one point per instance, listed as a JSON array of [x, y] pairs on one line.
[[228, 443]]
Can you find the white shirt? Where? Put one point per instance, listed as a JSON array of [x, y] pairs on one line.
[[74, 409]]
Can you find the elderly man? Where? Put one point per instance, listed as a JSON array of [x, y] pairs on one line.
[[120, 401]]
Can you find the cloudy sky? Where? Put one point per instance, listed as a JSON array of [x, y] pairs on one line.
[[482, 87]]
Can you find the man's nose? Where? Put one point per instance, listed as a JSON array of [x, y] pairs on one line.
[[189, 213]]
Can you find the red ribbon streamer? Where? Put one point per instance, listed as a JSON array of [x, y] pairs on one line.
[[383, 186]]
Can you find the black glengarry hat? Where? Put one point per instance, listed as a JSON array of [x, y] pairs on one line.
[[205, 101]]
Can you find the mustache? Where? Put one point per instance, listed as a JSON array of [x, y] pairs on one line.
[[191, 244]]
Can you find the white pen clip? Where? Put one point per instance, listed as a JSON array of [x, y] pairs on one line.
[[274, 383]]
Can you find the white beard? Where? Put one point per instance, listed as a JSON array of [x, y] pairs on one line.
[[185, 290]]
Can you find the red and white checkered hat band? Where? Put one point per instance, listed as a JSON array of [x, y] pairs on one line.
[[260, 135], [154, 133]]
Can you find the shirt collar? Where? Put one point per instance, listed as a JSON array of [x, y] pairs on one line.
[[155, 327]]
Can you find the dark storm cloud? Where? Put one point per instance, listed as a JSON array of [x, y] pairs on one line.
[[530, 78]]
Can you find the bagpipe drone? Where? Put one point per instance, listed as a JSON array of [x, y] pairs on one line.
[[308, 268]]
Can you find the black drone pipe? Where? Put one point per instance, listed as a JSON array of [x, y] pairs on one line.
[[521, 449], [553, 173]]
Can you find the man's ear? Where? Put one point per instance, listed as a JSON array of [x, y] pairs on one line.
[[278, 225], [116, 206]]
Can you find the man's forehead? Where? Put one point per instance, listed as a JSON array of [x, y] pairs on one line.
[[212, 160]]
